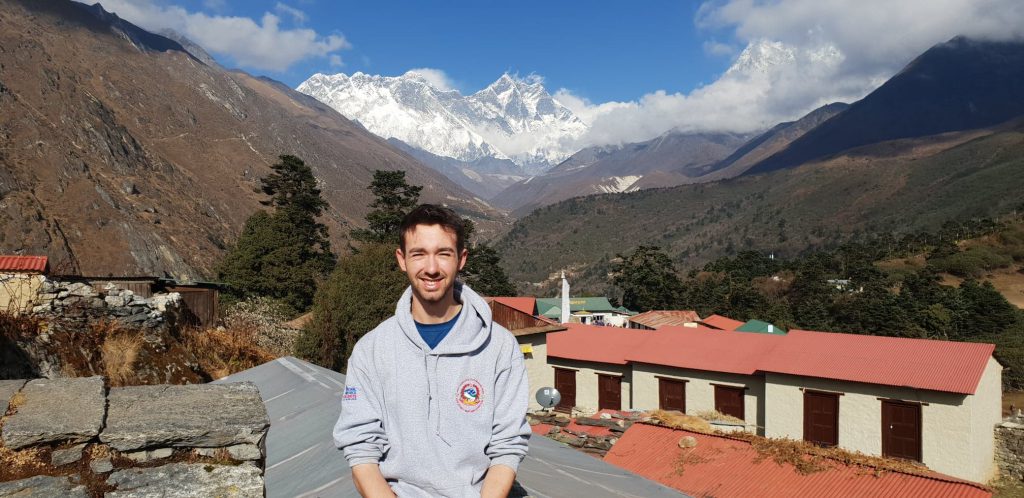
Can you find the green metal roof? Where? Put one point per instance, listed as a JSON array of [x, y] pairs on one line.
[[551, 307], [760, 327]]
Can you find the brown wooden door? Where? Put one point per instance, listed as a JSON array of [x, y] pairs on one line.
[[901, 430], [729, 401], [609, 392], [565, 382], [672, 395], [821, 418]]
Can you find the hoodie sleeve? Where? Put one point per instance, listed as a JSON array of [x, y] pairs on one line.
[[359, 432], [511, 431]]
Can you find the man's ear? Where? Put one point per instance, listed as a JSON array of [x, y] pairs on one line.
[[463, 257], [401, 258]]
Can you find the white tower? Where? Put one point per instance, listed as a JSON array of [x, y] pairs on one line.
[[565, 299]]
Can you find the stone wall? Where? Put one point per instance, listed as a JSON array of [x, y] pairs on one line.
[[78, 301], [1010, 448], [73, 437]]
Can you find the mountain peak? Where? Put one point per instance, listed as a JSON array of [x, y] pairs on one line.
[[487, 124]]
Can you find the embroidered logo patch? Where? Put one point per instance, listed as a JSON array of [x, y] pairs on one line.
[[351, 394], [471, 395]]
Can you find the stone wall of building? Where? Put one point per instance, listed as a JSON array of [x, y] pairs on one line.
[[1010, 448]]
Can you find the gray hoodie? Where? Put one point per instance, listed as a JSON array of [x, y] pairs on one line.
[[435, 420]]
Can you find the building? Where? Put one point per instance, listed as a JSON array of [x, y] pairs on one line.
[[720, 322], [655, 319], [516, 315], [21, 278], [935, 402], [727, 467], [760, 327], [585, 310]]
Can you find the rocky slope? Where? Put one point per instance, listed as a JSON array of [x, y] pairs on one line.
[[124, 154]]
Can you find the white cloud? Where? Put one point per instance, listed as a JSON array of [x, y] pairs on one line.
[[799, 55], [434, 77], [717, 48], [262, 45], [298, 16]]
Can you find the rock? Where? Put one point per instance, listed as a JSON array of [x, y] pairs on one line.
[[44, 415], [42, 487], [101, 466], [595, 422], [149, 455], [64, 456], [687, 442], [245, 452], [180, 480], [114, 301], [81, 290], [8, 388], [203, 415], [606, 416]]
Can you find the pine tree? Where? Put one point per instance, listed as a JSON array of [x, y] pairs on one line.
[[647, 279], [284, 253], [393, 198]]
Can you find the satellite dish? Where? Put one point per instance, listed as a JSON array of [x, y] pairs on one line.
[[548, 397]]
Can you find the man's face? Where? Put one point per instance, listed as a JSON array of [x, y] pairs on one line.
[[431, 260]]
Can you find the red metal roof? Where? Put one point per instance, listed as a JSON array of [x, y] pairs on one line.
[[23, 263], [723, 467], [524, 304], [705, 349], [656, 319], [595, 343], [722, 323], [919, 363]]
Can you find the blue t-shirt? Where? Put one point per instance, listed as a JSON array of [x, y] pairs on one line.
[[433, 333]]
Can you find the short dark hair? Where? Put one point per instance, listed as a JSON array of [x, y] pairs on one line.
[[431, 214]]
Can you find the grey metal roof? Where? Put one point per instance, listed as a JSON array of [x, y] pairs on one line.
[[303, 402]]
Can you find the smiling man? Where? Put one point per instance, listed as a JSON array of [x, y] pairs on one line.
[[435, 397]]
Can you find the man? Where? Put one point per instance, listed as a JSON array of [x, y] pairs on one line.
[[435, 397]]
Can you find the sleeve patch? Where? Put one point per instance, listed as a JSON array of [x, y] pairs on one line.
[[351, 394]]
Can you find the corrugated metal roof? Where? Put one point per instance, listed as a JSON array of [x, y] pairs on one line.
[[760, 327], [919, 363], [722, 323], [552, 306], [659, 318], [724, 468], [595, 343], [35, 264], [525, 304], [303, 402], [705, 349]]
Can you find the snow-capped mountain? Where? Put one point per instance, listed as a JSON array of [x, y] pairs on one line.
[[513, 118]]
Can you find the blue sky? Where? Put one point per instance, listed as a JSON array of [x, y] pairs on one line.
[[601, 50], [630, 70]]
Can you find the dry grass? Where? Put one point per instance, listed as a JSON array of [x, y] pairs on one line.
[[678, 420], [17, 400], [223, 352], [22, 463], [119, 353], [716, 416], [18, 327]]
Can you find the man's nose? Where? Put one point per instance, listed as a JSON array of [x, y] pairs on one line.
[[433, 265]]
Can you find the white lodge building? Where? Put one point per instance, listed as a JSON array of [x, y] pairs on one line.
[[936, 402]]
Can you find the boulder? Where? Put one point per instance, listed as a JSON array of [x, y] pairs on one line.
[[687, 442], [8, 388], [194, 416], [181, 480], [43, 487], [45, 414]]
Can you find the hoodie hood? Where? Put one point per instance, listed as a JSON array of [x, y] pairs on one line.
[[471, 331]]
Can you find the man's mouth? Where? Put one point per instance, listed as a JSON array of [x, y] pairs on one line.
[[431, 284]]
